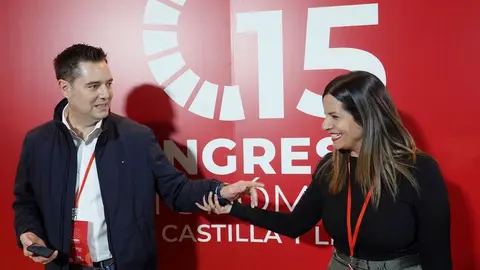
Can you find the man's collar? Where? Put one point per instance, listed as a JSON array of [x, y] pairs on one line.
[[96, 130]]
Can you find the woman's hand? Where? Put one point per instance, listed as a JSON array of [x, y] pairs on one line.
[[212, 205], [231, 193]]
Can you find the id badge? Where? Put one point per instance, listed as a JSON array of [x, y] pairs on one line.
[[79, 251]]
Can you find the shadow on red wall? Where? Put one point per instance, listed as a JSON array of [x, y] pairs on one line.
[[462, 236], [149, 105]]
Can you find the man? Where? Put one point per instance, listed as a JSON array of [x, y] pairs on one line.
[[86, 180]]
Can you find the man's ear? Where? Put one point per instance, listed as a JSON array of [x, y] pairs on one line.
[[65, 87]]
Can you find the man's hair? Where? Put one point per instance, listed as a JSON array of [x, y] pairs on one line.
[[66, 63]]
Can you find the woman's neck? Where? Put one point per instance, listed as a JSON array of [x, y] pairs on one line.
[[354, 152]]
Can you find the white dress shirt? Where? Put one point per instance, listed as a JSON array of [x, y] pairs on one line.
[[90, 205]]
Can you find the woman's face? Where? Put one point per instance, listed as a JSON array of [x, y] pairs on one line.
[[345, 132]]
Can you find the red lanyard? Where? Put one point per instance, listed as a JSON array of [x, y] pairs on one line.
[[353, 239], [79, 193]]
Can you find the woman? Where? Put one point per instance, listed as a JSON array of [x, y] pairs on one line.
[[375, 177]]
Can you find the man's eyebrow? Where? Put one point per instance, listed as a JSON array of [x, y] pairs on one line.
[[92, 83], [97, 82]]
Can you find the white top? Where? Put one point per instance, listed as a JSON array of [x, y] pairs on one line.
[[90, 205]]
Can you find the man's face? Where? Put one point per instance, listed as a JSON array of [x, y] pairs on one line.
[[90, 94]]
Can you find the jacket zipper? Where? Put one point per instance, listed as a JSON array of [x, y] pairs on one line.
[[109, 236], [65, 185], [107, 219]]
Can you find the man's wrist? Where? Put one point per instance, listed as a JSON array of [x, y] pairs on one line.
[[220, 192]]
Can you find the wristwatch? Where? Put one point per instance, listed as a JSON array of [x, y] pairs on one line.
[[221, 200]]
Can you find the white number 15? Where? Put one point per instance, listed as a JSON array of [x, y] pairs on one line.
[[318, 54]]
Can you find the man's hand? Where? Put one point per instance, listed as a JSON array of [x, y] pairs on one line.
[[236, 190], [28, 239]]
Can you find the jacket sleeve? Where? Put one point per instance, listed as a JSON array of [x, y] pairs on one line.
[[27, 217], [173, 186]]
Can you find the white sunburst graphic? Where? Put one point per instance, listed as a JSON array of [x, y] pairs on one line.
[[164, 67], [180, 82]]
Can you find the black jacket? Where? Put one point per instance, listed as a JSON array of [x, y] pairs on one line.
[[132, 168]]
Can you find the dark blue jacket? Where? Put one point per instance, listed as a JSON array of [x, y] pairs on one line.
[[132, 168]]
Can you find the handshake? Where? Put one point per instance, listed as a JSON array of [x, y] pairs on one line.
[[232, 193]]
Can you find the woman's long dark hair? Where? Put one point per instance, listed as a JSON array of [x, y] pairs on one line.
[[387, 147]]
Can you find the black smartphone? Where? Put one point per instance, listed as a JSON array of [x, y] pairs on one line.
[[40, 250]]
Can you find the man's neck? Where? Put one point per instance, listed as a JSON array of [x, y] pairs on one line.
[[80, 126]]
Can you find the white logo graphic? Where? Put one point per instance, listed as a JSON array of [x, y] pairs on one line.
[[269, 28]]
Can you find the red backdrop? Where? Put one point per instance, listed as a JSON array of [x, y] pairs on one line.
[[231, 68]]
